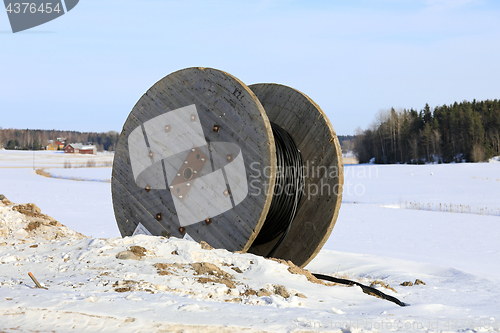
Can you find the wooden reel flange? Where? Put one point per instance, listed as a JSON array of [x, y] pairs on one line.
[[197, 156]]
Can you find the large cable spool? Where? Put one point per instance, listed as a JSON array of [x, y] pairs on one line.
[[197, 158]]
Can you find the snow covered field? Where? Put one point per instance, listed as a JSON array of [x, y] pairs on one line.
[[45, 159], [436, 223], [94, 174]]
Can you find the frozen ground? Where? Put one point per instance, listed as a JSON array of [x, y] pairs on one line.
[[83, 203], [378, 236], [94, 174], [45, 159]]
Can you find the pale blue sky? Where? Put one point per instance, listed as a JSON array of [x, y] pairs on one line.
[[86, 70]]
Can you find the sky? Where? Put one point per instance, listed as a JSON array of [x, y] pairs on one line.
[[86, 70]]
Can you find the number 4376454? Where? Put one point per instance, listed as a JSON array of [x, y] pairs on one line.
[[26, 7]]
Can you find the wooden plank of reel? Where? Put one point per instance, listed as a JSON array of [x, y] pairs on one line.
[[161, 186], [315, 137]]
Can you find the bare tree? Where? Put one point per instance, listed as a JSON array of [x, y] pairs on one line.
[[494, 136], [413, 149], [436, 143], [478, 154]]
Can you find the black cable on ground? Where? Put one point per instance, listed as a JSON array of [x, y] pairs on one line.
[[288, 190], [287, 194], [366, 289]]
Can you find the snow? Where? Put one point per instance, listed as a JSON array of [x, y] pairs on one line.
[[98, 174], [495, 159], [377, 237], [43, 159], [349, 154], [462, 187]]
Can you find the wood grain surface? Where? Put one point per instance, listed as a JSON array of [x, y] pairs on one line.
[[315, 137], [222, 100]]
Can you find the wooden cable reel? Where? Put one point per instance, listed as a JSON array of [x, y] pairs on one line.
[[197, 156]]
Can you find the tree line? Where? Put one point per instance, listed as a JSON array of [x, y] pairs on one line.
[[466, 131], [346, 142], [36, 139]]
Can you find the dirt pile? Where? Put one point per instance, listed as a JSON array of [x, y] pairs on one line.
[[294, 269], [30, 223]]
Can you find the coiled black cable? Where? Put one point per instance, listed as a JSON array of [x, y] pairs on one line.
[[288, 190]]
